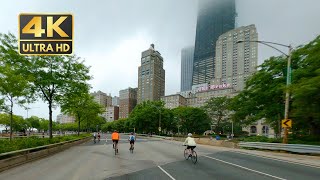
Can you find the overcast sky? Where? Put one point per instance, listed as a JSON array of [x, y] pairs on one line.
[[111, 34]]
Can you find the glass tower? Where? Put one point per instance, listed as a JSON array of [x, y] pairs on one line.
[[215, 17]]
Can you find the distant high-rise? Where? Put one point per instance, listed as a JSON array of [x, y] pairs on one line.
[[215, 17], [235, 62], [115, 101], [186, 68], [102, 98], [151, 76], [128, 100]]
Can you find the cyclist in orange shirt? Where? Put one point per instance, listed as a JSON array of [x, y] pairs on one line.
[[115, 138]]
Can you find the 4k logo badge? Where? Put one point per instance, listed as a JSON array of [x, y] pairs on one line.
[[45, 34]]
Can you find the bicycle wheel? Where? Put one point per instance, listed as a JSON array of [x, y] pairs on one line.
[[115, 149], [186, 154], [194, 157]]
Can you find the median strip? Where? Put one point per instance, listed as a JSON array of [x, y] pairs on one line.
[[248, 169]]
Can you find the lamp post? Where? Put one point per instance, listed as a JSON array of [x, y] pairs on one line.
[[158, 108], [288, 82], [28, 108]]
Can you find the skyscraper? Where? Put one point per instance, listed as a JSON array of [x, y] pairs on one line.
[[128, 100], [151, 76], [215, 17], [236, 62], [186, 68]]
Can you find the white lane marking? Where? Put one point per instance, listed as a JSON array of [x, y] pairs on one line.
[[166, 173], [245, 168], [276, 159]]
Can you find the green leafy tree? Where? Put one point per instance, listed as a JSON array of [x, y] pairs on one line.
[[191, 119], [146, 116], [263, 96], [34, 122], [14, 85], [44, 124], [217, 109], [306, 88], [54, 76], [79, 103]]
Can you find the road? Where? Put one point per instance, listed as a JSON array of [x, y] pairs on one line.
[[156, 159]]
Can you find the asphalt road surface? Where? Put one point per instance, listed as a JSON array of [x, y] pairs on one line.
[[156, 159]]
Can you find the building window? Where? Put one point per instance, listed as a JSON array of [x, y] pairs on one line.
[[265, 130], [253, 129]]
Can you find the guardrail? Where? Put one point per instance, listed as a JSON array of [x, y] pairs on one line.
[[296, 148]]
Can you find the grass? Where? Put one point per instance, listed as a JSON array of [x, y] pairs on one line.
[[31, 142]]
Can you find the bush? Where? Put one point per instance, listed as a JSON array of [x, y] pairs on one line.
[[31, 142]]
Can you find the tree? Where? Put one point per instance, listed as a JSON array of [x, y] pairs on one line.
[[34, 122], [44, 124], [191, 119], [306, 88], [145, 116], [14, 85], [54, 76], [217, 109], [79, 103], [263, 95]]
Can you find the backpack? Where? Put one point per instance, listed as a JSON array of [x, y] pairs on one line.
[[131, 138]]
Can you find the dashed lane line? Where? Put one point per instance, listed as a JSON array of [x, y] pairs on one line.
[[166, 173], [248, 169]]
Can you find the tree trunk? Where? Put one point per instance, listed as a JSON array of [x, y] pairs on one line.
[[315, 128], [50, 119], [11, 120], [79, 126]]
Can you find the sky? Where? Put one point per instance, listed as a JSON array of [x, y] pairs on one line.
[[111, 34]]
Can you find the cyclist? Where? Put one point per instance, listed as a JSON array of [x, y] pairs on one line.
[[115, 138], [98, 137], [131, 139], [190, 143], [94, 137]]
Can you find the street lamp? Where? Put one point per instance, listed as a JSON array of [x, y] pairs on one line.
[[286, 110], [158, 108], [28, 108]]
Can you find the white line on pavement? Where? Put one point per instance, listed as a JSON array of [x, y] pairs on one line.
[[244, 168], [276, 159], [166, 173]]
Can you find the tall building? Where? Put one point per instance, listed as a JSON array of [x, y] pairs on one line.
[[128, 100], [186, 68], [102, 98], [235, 62], [151, 76], [215, 17], [115, 101], [112, 113], [173, 101]]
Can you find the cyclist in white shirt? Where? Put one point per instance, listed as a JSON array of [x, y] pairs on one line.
[[190, 143]]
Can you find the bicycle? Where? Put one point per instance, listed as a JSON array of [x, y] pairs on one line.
[[193, 155], [94, 140], [131, 148], [115, 147]]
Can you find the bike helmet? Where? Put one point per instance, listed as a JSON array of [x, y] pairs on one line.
[[189, 135]]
